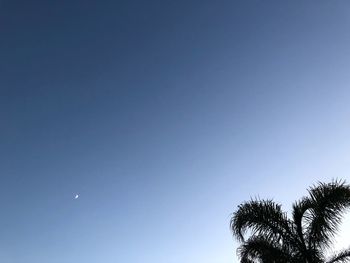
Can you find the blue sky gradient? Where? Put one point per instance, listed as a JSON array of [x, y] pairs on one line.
[[163, 116]]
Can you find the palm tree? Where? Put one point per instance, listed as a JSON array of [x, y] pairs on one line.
[[304, 238]]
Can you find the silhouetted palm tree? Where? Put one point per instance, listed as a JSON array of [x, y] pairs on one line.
[[305, 238]]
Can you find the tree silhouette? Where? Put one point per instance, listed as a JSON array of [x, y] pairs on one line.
[[304, 238]]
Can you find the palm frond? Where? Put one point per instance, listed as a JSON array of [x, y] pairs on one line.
[[300, 209], [261, 249], [299, 212], [341, 257], [328, 202], [263, 217], [274, 238]]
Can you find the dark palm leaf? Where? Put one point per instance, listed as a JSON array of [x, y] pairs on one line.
[[327, 202], [261, 249], [274, 238], [262, 217], [299, 213], [341, 257]]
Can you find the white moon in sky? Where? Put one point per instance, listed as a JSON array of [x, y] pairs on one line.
[[76, 196]]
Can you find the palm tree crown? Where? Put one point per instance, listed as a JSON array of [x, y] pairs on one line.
[[304, 238]]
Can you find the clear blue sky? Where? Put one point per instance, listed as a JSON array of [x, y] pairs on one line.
[[164, 116]]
